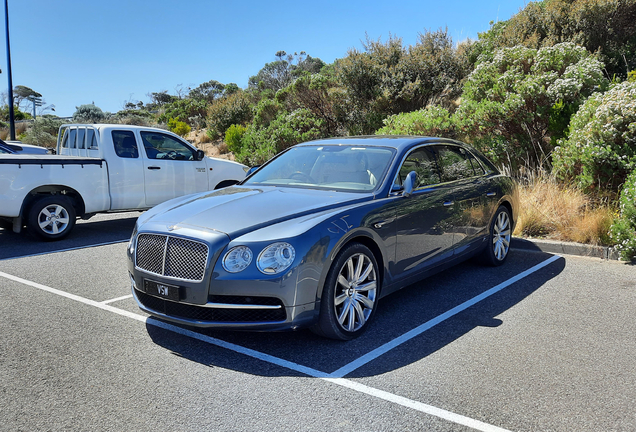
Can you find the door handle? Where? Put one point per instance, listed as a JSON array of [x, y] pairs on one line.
[[491, 194], [448, 203], [154, 167]]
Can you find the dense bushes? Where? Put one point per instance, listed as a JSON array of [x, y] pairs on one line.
[[511, 102], [432, 121], [604, 27], [190, 111], [235, 108], [178, 127], [388, 78], [89, 113], [601, 148], [623, 231], [261, 141]]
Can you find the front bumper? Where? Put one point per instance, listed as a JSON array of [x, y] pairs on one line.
[[247, 313]]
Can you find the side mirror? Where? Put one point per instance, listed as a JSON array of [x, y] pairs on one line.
[[251, 170], [409, 184], [200, 155]]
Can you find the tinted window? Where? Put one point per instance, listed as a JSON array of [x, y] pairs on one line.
[[160, 146], [455, 163], [125, 144], [422, 161]]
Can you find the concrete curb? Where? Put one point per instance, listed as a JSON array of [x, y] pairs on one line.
[[567, 248]]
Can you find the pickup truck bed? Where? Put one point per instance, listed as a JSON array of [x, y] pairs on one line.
[[104, 168]]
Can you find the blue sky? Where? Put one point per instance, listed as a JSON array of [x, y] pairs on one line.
[[108, 52]]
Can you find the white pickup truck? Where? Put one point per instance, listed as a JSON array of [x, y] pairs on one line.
[[103, 168]]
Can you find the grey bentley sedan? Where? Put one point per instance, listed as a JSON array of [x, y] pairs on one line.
[[320, 233]]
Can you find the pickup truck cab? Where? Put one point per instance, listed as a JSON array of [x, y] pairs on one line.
[[104, 168]]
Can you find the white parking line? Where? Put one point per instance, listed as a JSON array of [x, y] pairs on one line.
[[117, 299], [347, 369], [336, 377]]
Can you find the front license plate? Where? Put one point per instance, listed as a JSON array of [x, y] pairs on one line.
[[159, 289]]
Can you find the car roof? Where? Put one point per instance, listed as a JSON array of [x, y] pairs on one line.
[[398, 142]]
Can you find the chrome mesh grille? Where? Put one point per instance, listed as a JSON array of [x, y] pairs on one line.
[[174, 257]]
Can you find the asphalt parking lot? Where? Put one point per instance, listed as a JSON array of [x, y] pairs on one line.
[[544, 343]]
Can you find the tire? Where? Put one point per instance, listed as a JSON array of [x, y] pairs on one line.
[[51, 217], [500, 233], [350, 295]]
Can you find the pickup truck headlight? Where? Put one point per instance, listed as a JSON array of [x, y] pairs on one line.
[[276, 258], [237, 259]]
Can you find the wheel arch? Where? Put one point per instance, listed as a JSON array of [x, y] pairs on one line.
[[358, 237], [69, 192]]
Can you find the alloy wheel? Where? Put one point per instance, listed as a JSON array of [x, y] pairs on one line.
[[355, 292], [501, 236]]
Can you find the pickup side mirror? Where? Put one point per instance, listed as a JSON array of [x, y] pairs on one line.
[[200, 154], [409, 184]]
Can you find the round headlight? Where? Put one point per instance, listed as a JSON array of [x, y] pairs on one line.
[[237, 259], [276, 258]]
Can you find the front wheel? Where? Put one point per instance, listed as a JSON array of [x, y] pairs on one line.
[[51, 217], [350, 294], [499, 237]]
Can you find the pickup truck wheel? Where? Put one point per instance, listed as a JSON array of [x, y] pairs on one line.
[[51, 217]]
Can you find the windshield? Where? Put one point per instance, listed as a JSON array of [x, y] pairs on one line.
[[337, 167]]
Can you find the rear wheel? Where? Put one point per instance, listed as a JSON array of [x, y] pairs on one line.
[[51, 217], [350, 294], [499, 238]]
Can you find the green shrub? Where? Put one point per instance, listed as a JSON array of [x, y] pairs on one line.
[[89, 113], [233, 136], [178, 127], [259, 144], [623, 231], [233, 109], [190, 111], [511, 103], [39, 137], [42, 132], [601, 148], [431, 121]]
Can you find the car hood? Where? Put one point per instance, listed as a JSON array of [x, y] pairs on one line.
[[239, 209]]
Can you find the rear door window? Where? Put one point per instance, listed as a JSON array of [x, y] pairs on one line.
[[125, 144], [455, 163]]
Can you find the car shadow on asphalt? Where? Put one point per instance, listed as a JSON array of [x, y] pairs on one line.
[[85, 234], [397, 314]]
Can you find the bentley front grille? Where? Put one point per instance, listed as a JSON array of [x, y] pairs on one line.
[[170, 256]]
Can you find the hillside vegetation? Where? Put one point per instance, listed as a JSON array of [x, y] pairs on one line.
[[549, 95]]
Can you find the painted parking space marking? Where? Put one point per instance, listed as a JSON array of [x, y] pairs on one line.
[[335, 377], [347, 369], [117, 299]]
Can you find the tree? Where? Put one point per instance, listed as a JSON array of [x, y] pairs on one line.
[[208, 91], [282, 72], [515, 104], [161, 98]]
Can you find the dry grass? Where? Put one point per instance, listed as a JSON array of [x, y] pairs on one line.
[[20, 128], [562, 212]]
